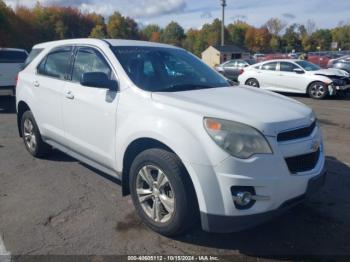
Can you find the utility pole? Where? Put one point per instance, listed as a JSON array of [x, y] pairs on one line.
[[223, 4]]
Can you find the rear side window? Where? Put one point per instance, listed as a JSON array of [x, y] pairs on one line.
[[56, 63], [287, 67], [89, 60], [7, 56], [269, 66], [34, 53]]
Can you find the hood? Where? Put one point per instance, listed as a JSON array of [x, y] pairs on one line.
[[331, 72], [266, 111]]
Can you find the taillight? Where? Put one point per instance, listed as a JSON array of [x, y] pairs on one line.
[[241, 71]]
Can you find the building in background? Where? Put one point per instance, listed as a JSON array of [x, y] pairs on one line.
[[215, 55]]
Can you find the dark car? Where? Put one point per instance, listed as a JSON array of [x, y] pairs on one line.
[[343, 65], [233, 68]]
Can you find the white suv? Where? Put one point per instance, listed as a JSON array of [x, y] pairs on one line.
[[11, 62], [184, 143]]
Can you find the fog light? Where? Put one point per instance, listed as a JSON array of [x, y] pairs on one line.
[[243, 198]]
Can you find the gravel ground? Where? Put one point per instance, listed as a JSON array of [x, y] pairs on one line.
[[63, 207]]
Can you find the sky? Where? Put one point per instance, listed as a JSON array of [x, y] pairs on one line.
[[195, 13]]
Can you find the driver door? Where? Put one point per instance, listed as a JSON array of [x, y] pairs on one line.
[[89, 113]]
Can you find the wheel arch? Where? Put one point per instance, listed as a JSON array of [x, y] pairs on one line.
[[136, 147]]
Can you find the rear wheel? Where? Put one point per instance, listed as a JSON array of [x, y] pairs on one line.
[[318, 90], [31, 136], [161, 192], [252, 82]]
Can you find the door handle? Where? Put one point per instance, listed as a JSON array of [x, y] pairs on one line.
[[36, 83], [69, 95]]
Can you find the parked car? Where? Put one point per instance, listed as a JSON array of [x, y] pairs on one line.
[[296, 76], [11, 61], [184, 143], [232, 68], [342, 63]]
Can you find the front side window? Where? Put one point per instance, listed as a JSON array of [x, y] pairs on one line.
[[287, 67], [7, 56], [269, 66], [56, 63], [161, 69], [89, 60]]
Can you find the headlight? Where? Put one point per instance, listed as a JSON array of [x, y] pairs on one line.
[[237, 139]]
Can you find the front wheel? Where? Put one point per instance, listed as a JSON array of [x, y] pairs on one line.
[[161, 192], [318, 90]]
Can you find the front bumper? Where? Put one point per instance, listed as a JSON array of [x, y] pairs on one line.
[[226, 224], [334, 89]]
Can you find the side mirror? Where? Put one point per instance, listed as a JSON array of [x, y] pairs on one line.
[[99, 80], [298, 71]]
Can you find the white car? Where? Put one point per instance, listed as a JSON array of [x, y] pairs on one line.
[[184, 143], [11, 61], [296, 76]]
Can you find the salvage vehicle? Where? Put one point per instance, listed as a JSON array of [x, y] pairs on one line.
[[233, 68], [11, 61], [296, 76], [185, 144]]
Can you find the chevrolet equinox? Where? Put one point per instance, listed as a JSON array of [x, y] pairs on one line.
[[185, 144]]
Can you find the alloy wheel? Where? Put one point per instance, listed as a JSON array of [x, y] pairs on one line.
[[317, 90], [29, 135], [155, 194]]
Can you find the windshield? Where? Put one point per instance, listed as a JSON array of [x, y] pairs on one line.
[[159, 69], [307, 66]]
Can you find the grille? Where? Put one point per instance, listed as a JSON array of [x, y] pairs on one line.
[[302, 163], [297, 133]]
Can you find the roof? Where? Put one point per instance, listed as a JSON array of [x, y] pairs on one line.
[[94, 41], [12, 49], [229, 48]]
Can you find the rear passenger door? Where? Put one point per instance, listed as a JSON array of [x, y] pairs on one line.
[[89, 113], [48, 85], [267, 76]]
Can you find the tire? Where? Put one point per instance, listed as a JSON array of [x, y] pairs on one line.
[[32, 138], [317, 90], [177, 202], [252, 82]]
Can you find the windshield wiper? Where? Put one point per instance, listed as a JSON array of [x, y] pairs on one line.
[[184, 87]]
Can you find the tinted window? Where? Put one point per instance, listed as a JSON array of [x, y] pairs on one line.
[[230, 64], [269, 66], [56, 63], [162, 69], [34, 53], [89, 60], [287, 67], [308, 66], [12, 56]]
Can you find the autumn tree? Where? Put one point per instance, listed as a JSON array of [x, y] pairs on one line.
[[237, 32], [122, 27], [99, 31], [147, 32], [173, 34]]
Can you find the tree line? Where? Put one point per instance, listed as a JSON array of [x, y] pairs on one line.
[[23, 27]]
